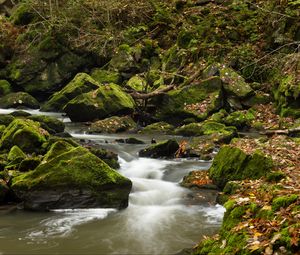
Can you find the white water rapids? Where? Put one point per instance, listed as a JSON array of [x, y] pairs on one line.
[[157, 220]]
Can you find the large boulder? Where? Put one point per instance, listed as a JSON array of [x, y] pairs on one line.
[[232, 164], [44, 68], [107, 100], [165, 149], [49, 123], [19, 99], [26, 134], [72, 177], [81, 83], [195, 101]]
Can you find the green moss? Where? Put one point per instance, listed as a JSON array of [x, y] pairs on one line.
[[105, 76], [233, 164], [184, 38], [26, 134], [108, 157], [231, 187], [29, 164], [137, 83], [49, 123], [19, 99], [74, 168], [106, 101], [275, 176], [240, 119], [283, 201], [5, 87], [22, 14], [158, 128], [56, 149], [6, 119], [16, 155], [265, 214], [81, 83]]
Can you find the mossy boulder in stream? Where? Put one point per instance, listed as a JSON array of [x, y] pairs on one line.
[[19, 99], [71, 178], [49, 123], [158, 128], [113, 124], [81, 83], [165, 149], [26, 134], [107, 100], [233, 164]]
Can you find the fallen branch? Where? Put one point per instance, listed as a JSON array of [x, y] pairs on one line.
[[287, 132], [138, 95]]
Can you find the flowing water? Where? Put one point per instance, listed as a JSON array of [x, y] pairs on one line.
[[158, 220]]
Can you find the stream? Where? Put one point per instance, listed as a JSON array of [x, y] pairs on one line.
[[158, 220]]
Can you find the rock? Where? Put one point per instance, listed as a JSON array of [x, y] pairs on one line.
[[158, 128], [137, 83], [240, 119], [233, 164], [45, 67], [19, 99], [106, 76], [106, 101], [26, 134], [73, 178], [113, 124], [195, 101], [201, 147], [81, 83], [258, 98], [165, 149], [109, 157], [133, 140], [5, 87], [198, 179], [49, 123], [20, 113], [217, 130]]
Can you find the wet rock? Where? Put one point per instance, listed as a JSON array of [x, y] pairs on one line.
[[113, 124], [106, 101], [49, 123], [19, 100], [233, 164], [158, 128], [109, 157], [165, 149], [196, 101], [71, 178], [133, 140], [26, 134], [81, 83]]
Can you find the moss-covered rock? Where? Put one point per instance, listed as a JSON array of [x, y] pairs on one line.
[[113, 124], [81, 83], [109, 157], [240, 119], [74, 178], [219, 130], [19, 99], [49, 123], [106, 76], [5, 87], [194, 101], [233, 164], [158, 128], [137, 83], [26, 134], [22, 14], [165, 149], [106, 101]]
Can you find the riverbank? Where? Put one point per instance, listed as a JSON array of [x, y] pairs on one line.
[[262, 216]]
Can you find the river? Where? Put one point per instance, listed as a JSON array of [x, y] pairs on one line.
[[158, 220]]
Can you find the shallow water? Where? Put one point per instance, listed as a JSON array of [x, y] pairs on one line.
[[158, 219]]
